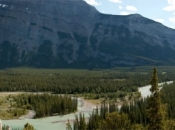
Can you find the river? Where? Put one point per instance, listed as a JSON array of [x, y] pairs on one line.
[[53, 122], [145, 90], [59, 122]]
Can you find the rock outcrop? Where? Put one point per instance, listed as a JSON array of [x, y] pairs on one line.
[[73, 34]]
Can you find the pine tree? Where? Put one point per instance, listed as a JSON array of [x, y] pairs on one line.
[[116, 121], [28, 126], [79, 123], [155, 109], [69, 127]]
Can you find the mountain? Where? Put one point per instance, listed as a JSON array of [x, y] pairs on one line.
[[73, 34]]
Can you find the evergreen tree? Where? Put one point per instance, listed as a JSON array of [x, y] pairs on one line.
[[116, 121], [28, 126], [69, 127], [94, 120], [155, 109], [79, 123]]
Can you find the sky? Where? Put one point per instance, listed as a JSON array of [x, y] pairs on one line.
[[162, 11]]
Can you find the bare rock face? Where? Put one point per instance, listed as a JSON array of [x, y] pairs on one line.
[[71, 33]]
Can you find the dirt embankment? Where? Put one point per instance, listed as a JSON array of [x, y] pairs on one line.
[[31, 114]]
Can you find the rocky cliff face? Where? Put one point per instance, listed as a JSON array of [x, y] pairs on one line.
[[69, 33]]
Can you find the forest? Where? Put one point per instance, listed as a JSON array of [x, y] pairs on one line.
[[105, 85], [99, 83], [46, 104], [155, 112]]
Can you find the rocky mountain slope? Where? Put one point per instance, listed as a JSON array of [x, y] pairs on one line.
[[71, 33]]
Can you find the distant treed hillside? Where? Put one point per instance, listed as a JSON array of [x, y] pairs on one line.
[[117, 82], [73, 34]]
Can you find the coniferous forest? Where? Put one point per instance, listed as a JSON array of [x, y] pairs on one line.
[[59, 86], [113, 82], [152, 113], [47, 104]]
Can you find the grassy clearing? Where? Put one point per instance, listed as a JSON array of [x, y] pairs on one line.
[[67, 72], [5, 94], [7, 106], [145, 70], [94, 102], [12, 113]]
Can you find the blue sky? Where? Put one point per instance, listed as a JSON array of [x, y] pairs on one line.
[[159, 10]]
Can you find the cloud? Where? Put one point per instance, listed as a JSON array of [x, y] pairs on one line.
[[159, 20], [171, 6], [92, 2], [124, 13], [120, 7], [116, 1], [131, 8], [172, 19], [171, 2], [174, 13]]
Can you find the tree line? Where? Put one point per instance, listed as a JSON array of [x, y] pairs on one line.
[[153, 113], [113, 83], [47, 104]]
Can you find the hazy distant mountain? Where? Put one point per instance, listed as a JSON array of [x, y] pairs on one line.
[[71, 33]]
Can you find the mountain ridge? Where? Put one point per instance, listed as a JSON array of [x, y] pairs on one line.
[[73, 34]]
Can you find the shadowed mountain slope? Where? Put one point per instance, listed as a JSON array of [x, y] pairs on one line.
[[73, 34]]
